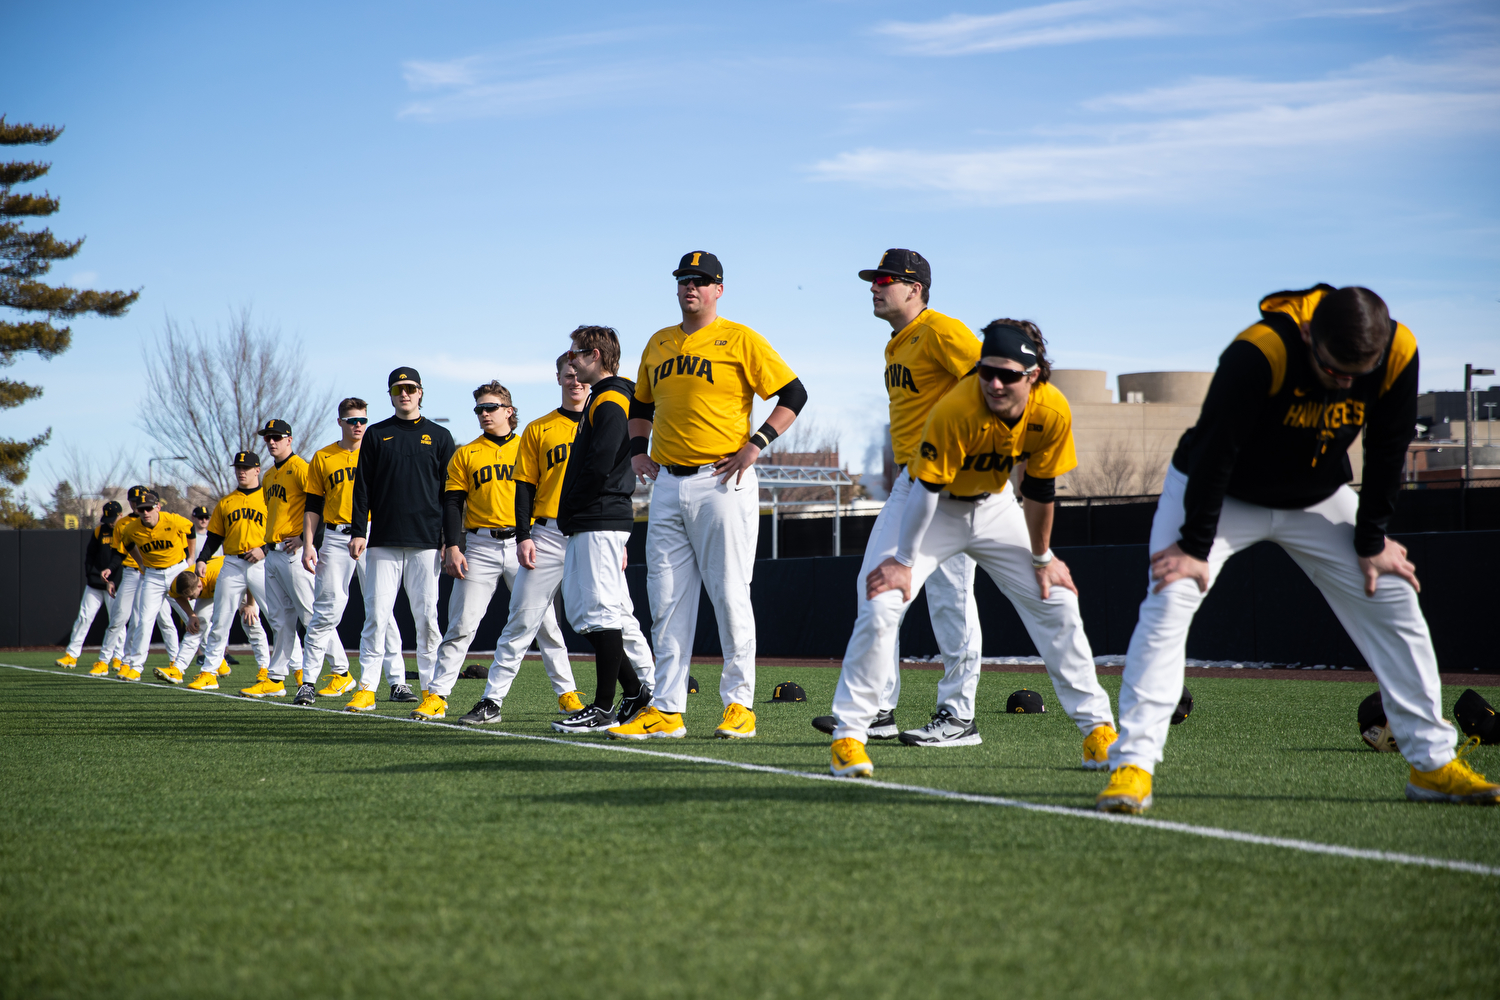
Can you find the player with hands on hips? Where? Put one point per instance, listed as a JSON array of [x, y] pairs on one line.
[[961, 500], [238, 524], [690, 432]]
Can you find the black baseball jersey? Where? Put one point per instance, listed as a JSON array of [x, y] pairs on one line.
[[598, 482], [403, 465]]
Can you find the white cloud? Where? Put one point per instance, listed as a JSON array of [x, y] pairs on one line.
[[1066, 23]]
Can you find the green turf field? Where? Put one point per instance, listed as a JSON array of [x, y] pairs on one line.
[[162, 843]]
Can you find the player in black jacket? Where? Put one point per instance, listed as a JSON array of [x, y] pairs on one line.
[[102, 564], [1268, 460], [403, 464], [594, 511]]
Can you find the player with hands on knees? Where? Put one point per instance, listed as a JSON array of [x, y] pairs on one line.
[[238, 524]]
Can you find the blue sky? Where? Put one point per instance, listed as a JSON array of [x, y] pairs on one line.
[[455, 186]]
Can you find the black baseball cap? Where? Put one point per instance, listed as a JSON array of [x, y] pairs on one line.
[[788, 691], [692, 684], [1184, 708], [276, 427], [112, 509], [1476, 717], [907, 265], [1025, 702], [246, 460], [140, 496], [404, 375], [201, 511], [700, 262]]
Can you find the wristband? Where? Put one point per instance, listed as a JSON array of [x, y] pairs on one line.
[[1038, 561], [759, 440], [639, 445], [768, 432]]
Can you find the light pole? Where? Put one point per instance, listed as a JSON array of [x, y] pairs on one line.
[[1469, 372], [1489, 424], [152, 461]]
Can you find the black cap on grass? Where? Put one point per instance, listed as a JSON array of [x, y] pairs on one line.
[[1477, 718], [1372, 727], [787, 691], [692, 684], [1025, 702], [1184, 708]]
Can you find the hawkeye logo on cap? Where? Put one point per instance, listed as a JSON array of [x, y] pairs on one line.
[[402, 375]]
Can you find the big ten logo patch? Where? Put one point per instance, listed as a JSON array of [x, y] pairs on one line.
[[684, 364], [899, 377], [557, 456], [427, 439], [493, 473], [246, 514]]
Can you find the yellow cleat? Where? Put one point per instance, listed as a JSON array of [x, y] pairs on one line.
[[1096, 748], [205, 681], [67, 661], [363, 701], [652, 724], [1455, 781], [129, 673], [337, 684], [297, 676], [434, 706], [850, 759], [1129, 791], [738, 723], [265, 689], [117, 665], [262, 675], [224, 668], [568, 702], [101, 669], [172, 674]]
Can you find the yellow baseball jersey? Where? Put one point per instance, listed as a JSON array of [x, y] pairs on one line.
[[284, 488], [970, 450], [702, 384], [922, 362], [210, 578], [331, 476], [241, 518], [542, 457], [119, 532], [485, 469], [164, 545]]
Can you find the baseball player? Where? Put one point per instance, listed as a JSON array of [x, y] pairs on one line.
[[403, 465], [116, 637], [1268, 460], [691, 412], [594, 511], [480, 499], [193, 602], [102, 565], [289, 584], [961, 500], [162, 544], [239, 525], [328, 504], [541, 462], [201, 514]]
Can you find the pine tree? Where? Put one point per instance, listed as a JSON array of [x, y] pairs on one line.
[[25, 256]]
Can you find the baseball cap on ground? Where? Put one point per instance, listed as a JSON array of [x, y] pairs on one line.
[[1184, 708], [201, 511], [404, 375], [1372, 727], [246, 460], [700, 262], [1025, 702], [275, 427], [905, 264], [692, 684], [1477, 718], [787, 691]]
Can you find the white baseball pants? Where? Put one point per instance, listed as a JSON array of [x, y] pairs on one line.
[[1388, 629], [950, 606], [235, 577], [531, 604], [330, 597], [116, 636], [88, 610], [993, 532], [192, 640], [388, 568], [290, 589], [595, 595], [150, 605], [702, 534]]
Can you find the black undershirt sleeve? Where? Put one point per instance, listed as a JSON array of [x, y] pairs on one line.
[[525, 503], [608, 431], [312, 503], [642, 411], [359, 515], [793, 396], [1391, 426], [1038, 490], [933, 487], [210, 546], [453, 515]]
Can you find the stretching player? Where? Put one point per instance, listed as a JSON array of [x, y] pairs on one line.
[[1003, 414], [116, 637], [480, 498], [1269, 460], [402, 467], [239, 525], [193, 602], [163, 545], [594, 511], [101, 565], [691, 411], [328, 503], [541, 462]]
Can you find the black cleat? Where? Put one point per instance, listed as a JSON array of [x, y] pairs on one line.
[[591, 719], [400, 692], [229, 660], [825, 724], [631, 707], [884, 727], [306, 695], [483, 712]]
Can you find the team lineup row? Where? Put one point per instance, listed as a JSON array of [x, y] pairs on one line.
[[979, 436]]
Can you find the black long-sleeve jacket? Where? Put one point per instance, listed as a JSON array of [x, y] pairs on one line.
[[403, 465], [1270, 433], [101, 556], [597, 485]]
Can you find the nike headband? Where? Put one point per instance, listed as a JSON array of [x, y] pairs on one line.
[[1009, 342]]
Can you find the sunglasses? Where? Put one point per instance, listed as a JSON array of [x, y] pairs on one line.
[[354, 421], [1007, 376], [491, 407], [274, 437], [696, 280], [889, 279], [405, 390]]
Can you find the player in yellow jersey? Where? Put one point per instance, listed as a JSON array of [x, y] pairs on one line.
[[327, 506], [691, 413], [117, 636], [239, 525], [1004, 414], [192, 599], [102, 566], [162, 544], [541, 462]]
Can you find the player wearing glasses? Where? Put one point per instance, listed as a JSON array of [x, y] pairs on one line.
[[1269, 461], [961, 501]]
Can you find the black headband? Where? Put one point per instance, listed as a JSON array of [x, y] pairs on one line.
[[1009, 342]]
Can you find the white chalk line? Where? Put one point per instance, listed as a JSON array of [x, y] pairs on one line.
[[1212, 832]]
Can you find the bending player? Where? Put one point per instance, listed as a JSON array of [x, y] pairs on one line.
[[116, 637], [691, 412], [1269, 460], [239, 525], [102, 564], [1003, 414], [328, 503], [193, 601], [163, 545], [541, 462]]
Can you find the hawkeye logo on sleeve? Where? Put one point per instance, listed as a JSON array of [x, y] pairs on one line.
[[557, 456], [899, 377], [684, 364], [427, 439], [929, 452], [493, 473]]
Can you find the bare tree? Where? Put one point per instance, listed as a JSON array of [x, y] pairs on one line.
[[1120, 471], [84, 484], [212, 393], [810, 442]]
